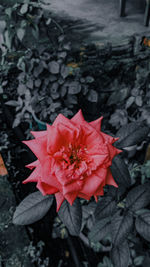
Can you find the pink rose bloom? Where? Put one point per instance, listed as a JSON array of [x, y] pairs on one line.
[[73, 159]]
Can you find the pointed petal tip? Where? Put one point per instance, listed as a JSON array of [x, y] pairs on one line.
[[96, 198], [59, 200], [33, 133], [24, 142], [28, 181], [119, 151], [48, 126], [78, 117], [96, 124]]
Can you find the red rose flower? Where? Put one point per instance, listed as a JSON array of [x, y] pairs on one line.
[[74, 157]]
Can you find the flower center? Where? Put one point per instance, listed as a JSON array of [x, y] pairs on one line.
[[73, 154], [74, 160]]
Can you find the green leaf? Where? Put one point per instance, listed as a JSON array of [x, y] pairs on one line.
[[106, 262], [121, 225], [118, 96], [131, 134], [120, 255], [139, 260], [120, 172], [89, 79], [12, 103], [74, 88], [21, 89], [64, 71], [142, 225], [88, 210], [71, 216], [138, 197], [100, 230], [24, 9], [92, 96], [139, 101], [8, 39], [35, 31], [54, 67], [105, 207], [130, 101], [32, 208], [20, 33], [48, 21], [38, 70], [8, 11]]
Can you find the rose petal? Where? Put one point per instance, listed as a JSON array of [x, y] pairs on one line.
[[33, 164], [100, 190], [96, 124], [110, 180], [92, 137], [38, 134], [69, 135], [74, 186], [59, 200], [38, 147], [94, 181], [47, 176], [78, 118], [113, 151], [34, 176], [60, 174], [96, 198], [98, 160], [61, 119], [70, 197], [54, 141], [108, 138], [46, 189], [84, 196]]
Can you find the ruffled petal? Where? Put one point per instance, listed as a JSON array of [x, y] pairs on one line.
[[47, 176], [93, 182], [75, 186], [96, 124], [60, 174], [67, 134], [59, 200], [98, 160], [54, 141], [46, 189], [92, 137]]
